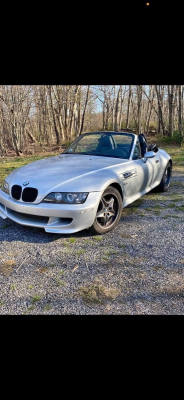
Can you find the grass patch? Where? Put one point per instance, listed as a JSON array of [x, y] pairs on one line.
[[138, 202], [61, 272], [176, 197], [65, 243], [156, 207], [72, 240], [171, 205], [177, 183], [135, 261], [9, 164], [126, 211], [80, 251], [110, 252], [59, 282], [30, 308], [157, 267], [98, 238], [89, 241], [180, 208], [123, 235], [6, 268], [170, 216], [47, 307], [35, 298], [43, 269], [97, 293]]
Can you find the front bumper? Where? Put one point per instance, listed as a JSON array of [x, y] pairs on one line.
[[54, 218]]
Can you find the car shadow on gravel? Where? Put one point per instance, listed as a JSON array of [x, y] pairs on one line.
[[10, 231]]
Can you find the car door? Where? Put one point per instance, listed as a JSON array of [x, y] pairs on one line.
[[148, 171], [153, 165], [144, 175], [140, 174], [135, 178], [129, 179], [144, 170]]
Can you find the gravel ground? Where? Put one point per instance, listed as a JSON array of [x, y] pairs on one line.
[[136, 269]]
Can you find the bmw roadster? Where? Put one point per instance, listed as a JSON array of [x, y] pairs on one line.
[[87, 186]]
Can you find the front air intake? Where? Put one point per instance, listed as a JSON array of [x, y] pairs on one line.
[[16, 192], [29, 195]]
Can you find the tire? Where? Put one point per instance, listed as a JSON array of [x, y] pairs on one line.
[[166, 179], [109, 211]]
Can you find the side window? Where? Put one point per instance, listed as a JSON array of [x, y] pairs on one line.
[[137, 151]]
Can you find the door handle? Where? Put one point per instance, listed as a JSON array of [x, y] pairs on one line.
[[157, 161]]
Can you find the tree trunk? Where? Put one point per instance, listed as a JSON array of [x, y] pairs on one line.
[[113, 109], [103, 116], [139, 107], [116, 127], [180, 128], [128, 107], [150, 107], [170, 99], [73, 110], [83, 115], [53, 116], [160, 115]]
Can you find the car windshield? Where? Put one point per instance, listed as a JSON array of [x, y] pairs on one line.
[[107, 144]]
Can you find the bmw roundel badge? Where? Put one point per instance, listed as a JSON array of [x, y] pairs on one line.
[[26, 183]]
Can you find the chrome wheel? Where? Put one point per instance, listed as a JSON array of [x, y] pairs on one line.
[[109, 211], [165, 182], [167, 176]]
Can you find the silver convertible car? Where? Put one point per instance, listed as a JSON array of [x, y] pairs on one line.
[[87, 186]]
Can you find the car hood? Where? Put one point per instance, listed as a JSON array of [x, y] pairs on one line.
[[63, 172]]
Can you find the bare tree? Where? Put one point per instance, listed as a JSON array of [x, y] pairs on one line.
[[17, 104], [54, 114], [128, 107], [170, 101], [180, 122], [117, 108], [84, 110], [139, 106], [159, 93]]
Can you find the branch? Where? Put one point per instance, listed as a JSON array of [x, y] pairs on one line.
[[150, 101]]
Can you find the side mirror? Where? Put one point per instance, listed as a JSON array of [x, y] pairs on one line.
[[149, 154]]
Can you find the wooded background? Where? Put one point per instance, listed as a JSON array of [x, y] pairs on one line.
[[48, 115]]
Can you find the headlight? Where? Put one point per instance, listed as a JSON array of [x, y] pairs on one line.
[[5, 187], [66, 198]]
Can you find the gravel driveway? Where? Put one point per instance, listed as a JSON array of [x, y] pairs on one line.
[[136, 269]]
